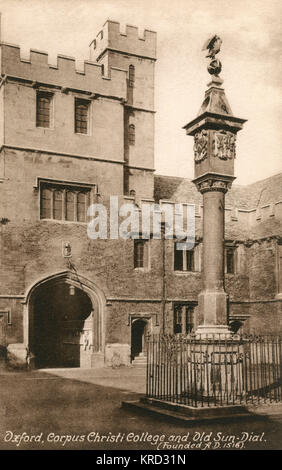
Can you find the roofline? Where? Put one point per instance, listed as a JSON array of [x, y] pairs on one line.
[[237, 185]]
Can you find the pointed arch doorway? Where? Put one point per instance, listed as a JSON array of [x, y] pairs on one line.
[[64, 323]]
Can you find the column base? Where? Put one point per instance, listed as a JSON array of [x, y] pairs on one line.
[[212, 308], [213, 332], [97, 360], [217, 366]]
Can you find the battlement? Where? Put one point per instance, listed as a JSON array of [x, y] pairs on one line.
[[110, 37], [64, 74]]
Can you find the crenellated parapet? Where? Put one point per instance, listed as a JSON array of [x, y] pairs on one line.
[[64, 74], [111, 38]]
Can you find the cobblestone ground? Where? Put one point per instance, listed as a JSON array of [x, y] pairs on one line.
[[86, 405]]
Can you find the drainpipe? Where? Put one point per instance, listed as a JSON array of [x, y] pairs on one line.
[[163, 278]]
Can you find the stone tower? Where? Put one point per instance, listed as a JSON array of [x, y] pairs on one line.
[[137, 56]]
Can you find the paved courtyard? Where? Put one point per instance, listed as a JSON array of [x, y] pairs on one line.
[[74, 408]]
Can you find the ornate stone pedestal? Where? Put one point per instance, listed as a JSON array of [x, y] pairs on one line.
[[218, 360]]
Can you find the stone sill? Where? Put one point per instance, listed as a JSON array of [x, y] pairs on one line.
[[52, 128], [142, 270], [235, 274], [84, 135], [187, 273]]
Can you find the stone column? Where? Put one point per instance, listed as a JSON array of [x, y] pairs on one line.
[[214, 131], [212, 300]]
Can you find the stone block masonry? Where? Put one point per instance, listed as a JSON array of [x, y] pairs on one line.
[[64, 75], [110, 37], [114, 293]]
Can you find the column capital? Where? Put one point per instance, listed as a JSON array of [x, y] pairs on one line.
[[213, 182]]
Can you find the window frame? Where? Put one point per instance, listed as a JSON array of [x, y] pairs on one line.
[[189, 324], [50, 95], [65, 187], [185, 259], [131, 76], [6, 313], [78, 99], [234, 262], [146, 254], [131, 134]]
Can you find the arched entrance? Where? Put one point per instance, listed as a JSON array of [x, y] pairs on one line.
[[139, 330], [64, 323]]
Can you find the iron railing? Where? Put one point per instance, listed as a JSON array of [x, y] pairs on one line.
[[214, 371]]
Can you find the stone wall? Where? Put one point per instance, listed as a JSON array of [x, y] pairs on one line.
[[105, 118], [37, 69], [129, 42]]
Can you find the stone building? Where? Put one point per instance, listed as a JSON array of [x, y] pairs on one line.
[[71, 138]]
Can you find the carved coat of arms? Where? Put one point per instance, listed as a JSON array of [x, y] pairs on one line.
[[224, 145], [201, 145]]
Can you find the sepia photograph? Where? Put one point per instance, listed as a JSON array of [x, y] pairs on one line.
[[140, 228]]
